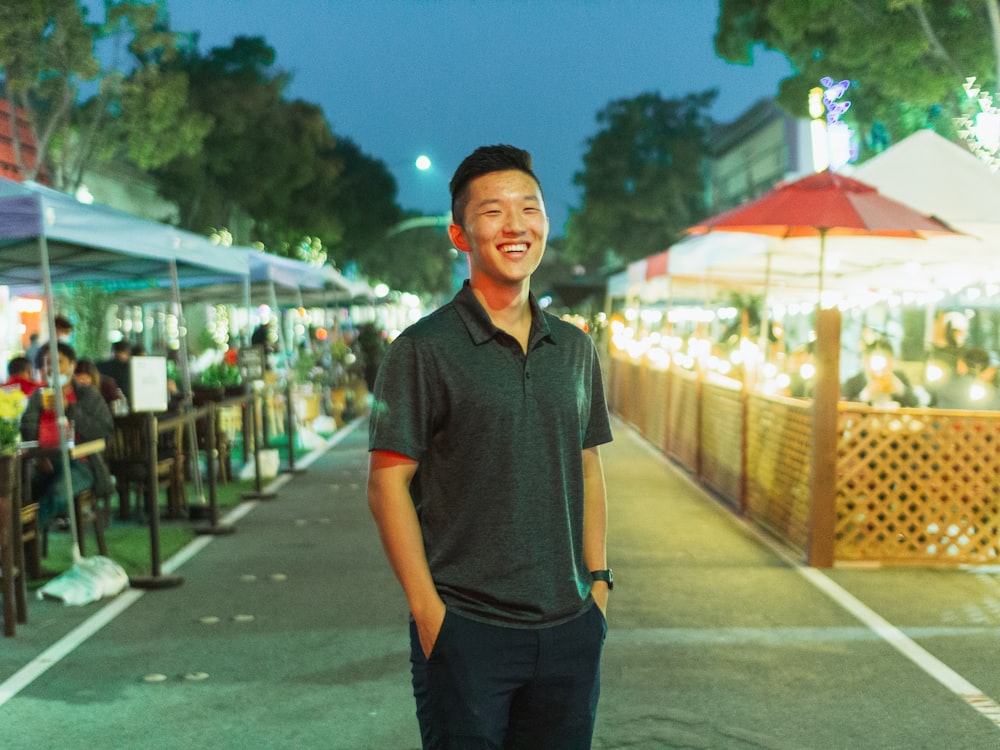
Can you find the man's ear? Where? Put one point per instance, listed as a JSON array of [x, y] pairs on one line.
[[457, 236]]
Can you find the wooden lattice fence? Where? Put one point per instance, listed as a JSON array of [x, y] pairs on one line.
[[912, 486], [778, 467], [721, 441], [918, 486]]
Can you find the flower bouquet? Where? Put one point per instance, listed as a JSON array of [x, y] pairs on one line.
[[12, 403]]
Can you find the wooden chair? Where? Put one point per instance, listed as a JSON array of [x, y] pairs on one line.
[[87, 507], [129, 456], [14, 607], [223, 448], [31, 540], [171, 461]]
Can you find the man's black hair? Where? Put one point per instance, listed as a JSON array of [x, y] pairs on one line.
[[63, 323], [484, 160], [64, 349], [976, 359], [122, 345], [19, 366], [882, 345]]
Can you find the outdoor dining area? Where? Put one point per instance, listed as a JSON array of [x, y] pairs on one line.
[[170, 458], [732, 351]]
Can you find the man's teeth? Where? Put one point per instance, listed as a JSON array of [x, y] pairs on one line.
[[515, 248]]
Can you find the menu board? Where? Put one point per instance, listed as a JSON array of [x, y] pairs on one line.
[[251, 361], [149, 383]]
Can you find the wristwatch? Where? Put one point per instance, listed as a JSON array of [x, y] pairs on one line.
[[604, 575]]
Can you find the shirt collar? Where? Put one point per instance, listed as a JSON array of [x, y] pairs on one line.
[[478, 322]]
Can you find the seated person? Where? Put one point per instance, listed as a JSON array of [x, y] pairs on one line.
[[119, 366], [972, 387], [86, 373], [91, 419], [878, 384], [19, 372]]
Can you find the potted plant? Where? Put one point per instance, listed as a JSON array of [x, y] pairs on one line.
[[215, 381]]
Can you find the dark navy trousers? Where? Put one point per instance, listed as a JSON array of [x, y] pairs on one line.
[[487, 687]]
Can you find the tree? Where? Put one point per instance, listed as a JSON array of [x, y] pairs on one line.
[[417, 260], [47, 54], [247, 158], [271, 170], [642, 181], [906, 59], [364, 198]]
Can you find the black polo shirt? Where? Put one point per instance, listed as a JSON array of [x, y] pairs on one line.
[[498, 435]]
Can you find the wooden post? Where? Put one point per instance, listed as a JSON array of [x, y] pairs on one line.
[[823, 511]]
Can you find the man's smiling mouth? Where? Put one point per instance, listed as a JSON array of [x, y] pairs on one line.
[[521, 248]]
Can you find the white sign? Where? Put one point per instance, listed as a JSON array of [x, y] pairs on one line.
[[149, 383]]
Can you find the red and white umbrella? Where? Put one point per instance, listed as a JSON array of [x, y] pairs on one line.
[[827, 205]]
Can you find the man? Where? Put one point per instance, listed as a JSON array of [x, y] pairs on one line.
[[33, 346], [486, 486], [119, 367], [91, 420], [879, 383], [64, 331], [19, 372], [972, 387]]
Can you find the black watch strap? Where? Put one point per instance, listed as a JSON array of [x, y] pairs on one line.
[[604, 575]]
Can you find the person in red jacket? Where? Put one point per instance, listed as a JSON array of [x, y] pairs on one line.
[[19, 371]]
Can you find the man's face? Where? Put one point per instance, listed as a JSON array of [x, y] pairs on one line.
[[879, 364], [504, 228], [65, 367]]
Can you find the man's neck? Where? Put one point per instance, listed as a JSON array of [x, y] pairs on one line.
[[507, 306]]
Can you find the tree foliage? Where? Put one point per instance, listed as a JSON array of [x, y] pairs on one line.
[[418, 260], [906, 59], [642, 181], [274, 162], [227, 146], [47, 53]]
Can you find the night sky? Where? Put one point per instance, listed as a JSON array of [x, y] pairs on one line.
[[403, 78]]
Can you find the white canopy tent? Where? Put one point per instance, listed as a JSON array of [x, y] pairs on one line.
[[48, 237], [93, 243], [926, 172], [937, 177]]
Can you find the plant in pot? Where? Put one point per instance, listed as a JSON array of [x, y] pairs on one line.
[[216, 380]]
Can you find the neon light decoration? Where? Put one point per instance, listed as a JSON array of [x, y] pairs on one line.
[[831, 138], [980, 129]]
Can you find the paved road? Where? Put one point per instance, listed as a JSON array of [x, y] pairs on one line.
[[291, 633]]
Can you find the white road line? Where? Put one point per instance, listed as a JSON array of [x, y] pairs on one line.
[[65, 645], [908, 648], [885, 630]]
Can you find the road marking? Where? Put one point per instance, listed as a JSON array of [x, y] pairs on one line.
[[779, 636], [885, 630], [65, 645], [892, 635]]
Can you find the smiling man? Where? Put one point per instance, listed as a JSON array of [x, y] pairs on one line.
[[485, 482]]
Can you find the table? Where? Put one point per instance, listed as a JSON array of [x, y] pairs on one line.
[[12, 562]]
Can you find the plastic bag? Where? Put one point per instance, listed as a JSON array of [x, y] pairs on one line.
[[309, 439], [270, 462], [89, 580]]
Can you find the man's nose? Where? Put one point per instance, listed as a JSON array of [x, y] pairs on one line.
[[515, 223]]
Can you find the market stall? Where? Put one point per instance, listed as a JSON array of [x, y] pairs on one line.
[[838, 481]]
